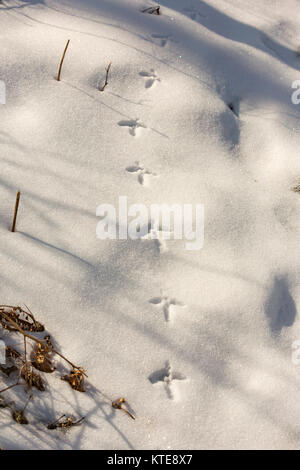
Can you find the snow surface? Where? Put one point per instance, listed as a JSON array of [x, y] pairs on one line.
[[225, 352]]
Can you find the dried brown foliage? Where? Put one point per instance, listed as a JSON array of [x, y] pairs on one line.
[[33, 379], [120, 405], [19, 417], [67, 422], [16, 320], [42, 356], [22, 318], [28, 369], [75, 379]]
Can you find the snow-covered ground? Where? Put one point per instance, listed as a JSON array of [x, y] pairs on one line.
[[219, 372]]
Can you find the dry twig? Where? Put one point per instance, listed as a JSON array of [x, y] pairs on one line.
[[106, 77], [152, 10], [13, 229], [62, 61], [119, 405], [67, 423]]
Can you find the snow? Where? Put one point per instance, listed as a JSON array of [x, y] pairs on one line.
[[219, 372]]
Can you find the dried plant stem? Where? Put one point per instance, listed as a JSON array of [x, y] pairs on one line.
[[11, 386], [79, 421], [69, 362], [15, 325], [106, 77], [25, 364], [62, 61], [13, 229], [27, 402], [55, 422], [118, 405], [128, 413], [38, 341]]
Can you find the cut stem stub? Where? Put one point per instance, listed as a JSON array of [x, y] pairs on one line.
[[13, 229], [62, 61]]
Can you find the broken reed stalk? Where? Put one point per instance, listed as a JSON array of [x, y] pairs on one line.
[[13, 229], [62, 60], [106, 77]]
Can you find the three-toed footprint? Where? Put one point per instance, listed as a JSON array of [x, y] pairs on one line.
[[168, 378], [158, 236], [193, 13], [151, 78], [162, 39], [167, 304], [141, 172], [134, 126]]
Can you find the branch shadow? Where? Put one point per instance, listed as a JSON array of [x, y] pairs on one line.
[[223, 25]]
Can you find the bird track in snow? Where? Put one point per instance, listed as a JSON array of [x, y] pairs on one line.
[[141, 172], [163, 39], [151, 78], [193, 13], [134, 126], [158, 236], [166, 304], [168, 378]]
